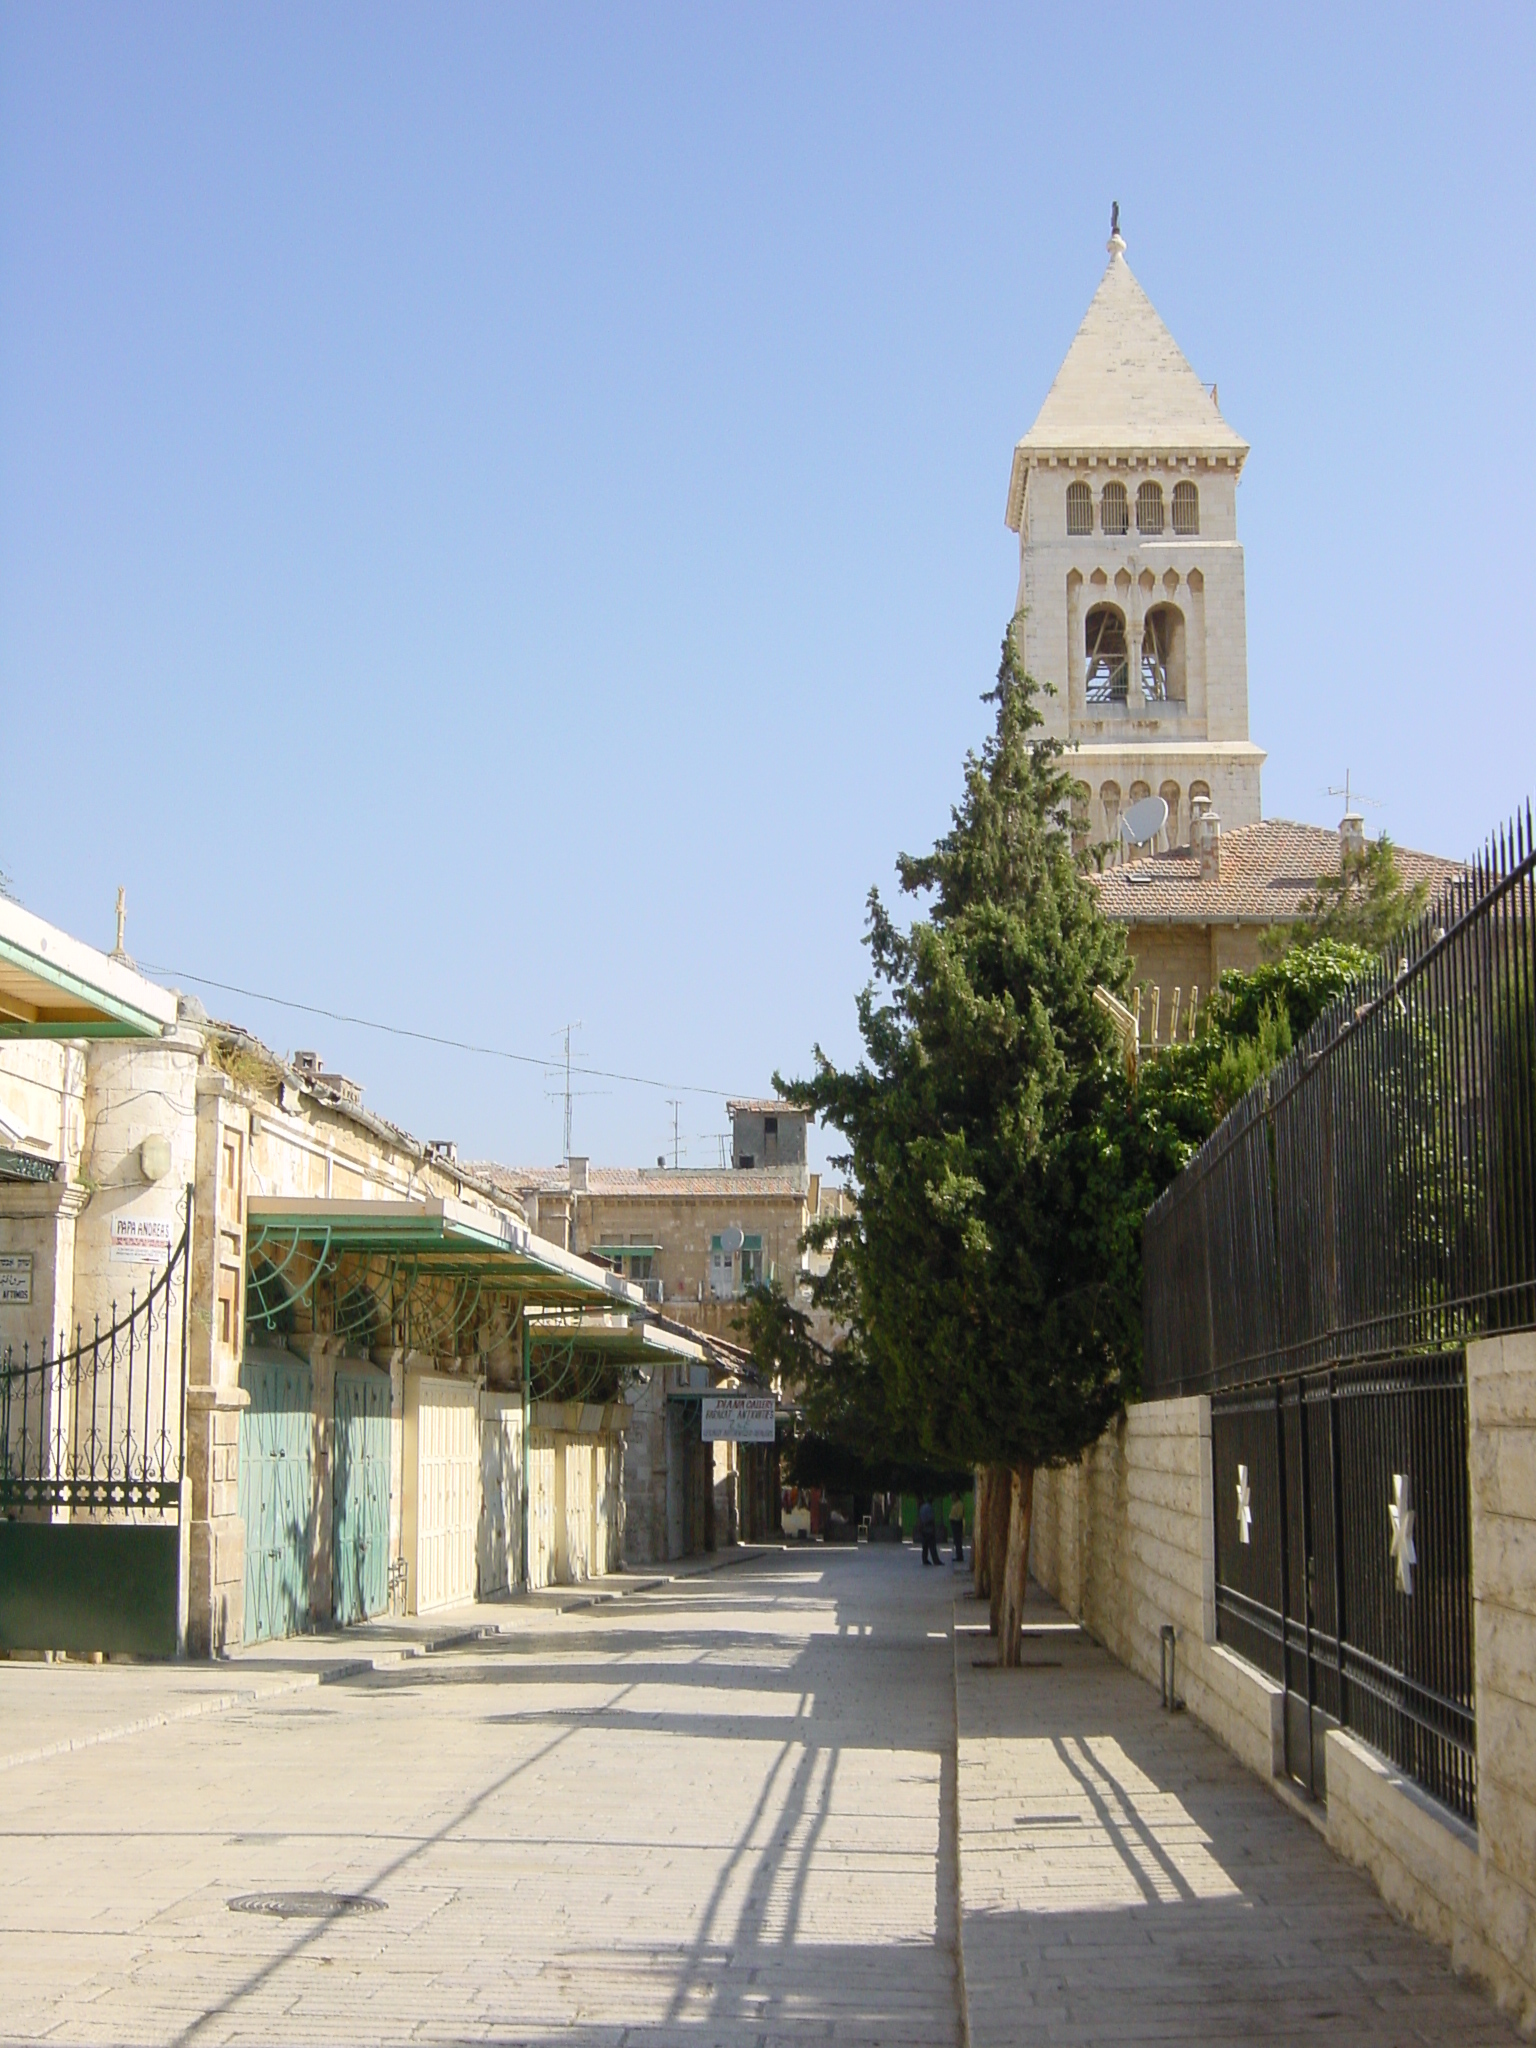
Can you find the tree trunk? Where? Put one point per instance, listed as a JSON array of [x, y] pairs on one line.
[[981, 1582], [998, 1501], [1021, 1508]]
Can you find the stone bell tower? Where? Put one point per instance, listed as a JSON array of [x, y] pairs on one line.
[[1124, 498]]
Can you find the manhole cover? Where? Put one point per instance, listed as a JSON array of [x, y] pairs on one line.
[[305, 1905]]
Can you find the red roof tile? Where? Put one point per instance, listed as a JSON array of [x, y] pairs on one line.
[[1267, 873]]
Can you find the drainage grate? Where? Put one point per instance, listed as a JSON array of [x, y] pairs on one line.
[[305, 1905]]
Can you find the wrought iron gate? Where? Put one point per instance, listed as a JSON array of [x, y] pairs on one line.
[[1343, 1560], [91, 1452]]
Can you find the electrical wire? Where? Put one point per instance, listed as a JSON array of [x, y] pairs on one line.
[[490, 1052]]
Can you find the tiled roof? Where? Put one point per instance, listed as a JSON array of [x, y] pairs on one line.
[[1267, 873], [753, 1105], [648, 1183]]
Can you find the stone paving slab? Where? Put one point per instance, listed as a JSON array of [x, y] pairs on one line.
[[48, 1708], [718, 1811], [1123, 1879]]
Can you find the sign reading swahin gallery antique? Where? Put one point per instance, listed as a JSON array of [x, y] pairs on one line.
[[737, 1418]]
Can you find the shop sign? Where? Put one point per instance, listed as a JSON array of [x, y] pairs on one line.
[[737, 1418], [141, 1240]]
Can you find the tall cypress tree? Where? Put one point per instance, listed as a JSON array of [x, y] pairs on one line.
[[994, 1270]]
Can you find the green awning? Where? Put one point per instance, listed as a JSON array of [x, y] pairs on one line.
[[53, 986], [442, 1239]]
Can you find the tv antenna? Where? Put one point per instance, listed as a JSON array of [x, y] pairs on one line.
[[676, 1108], [1351, 796], [563, 1091]]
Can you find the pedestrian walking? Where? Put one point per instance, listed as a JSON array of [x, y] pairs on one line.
[[928, 1529], [957, 1528]]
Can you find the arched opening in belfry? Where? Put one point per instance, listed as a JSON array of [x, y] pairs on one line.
[[1107, 669], [1149, 508], [1079, 508], [1163, 670], [1114, 509], [1186, 508]]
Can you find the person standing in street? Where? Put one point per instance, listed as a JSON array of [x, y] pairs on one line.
[[957, 1527], [928, 1529]]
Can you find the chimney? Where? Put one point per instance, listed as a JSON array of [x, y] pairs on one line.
[[1210, 847], [1351, 833], [577, 1163]]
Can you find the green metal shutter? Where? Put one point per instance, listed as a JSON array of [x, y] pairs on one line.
[[277, 1495], [360, 1497]]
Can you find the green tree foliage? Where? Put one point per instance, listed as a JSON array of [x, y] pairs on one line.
[[990, 1278], [1246, 1030], [1367, 903]]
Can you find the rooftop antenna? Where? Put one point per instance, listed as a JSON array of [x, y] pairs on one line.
[[567, 1029], [676, 1108], [1351, 796]]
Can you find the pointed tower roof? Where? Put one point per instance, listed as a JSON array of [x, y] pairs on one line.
[[1125, 388]]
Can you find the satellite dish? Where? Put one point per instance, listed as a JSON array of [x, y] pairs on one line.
[[1142, 822], [731, 1239]]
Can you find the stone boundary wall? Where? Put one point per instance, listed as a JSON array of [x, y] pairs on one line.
[[1124, 1541]]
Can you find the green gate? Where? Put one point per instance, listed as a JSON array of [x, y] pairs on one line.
[[277, 1495], [360, 1496]]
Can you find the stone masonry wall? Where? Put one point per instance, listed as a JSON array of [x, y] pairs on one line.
[[1124, 1540]]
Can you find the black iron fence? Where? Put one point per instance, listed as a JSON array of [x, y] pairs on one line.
[[1343, 1560], [1318, 1269], [1375, 1196], [97, 1428]]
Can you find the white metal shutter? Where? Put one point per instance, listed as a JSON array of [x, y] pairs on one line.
[[447, 1492]]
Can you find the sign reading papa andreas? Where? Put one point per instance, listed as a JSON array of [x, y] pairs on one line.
[[141, 1241], [737, 1418]]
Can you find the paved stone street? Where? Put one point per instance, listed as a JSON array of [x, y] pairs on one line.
[[710, 1812], [725, 1810]]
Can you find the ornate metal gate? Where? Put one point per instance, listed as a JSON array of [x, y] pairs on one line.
[[91, 1446]]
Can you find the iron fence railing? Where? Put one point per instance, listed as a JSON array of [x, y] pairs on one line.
[[1343, 1560], [97, 1429], [1318, 1269], [1376, 1195]]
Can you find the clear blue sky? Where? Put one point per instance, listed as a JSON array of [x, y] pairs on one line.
[[501, 510]]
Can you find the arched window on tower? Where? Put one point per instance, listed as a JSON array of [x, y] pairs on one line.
[[1163, 672], [1149, 508], [1107, 670], [1079, 508], [1114, 509], [1186, 508], [1109, 799], [1170, 796], [1082, 824]]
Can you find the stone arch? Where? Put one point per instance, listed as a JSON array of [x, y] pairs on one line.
[[1186, 507], [1114, 508], [1164, 655], [1149, 507], [1170, 796], [1079, 507], [1106, 670], [1109, 806]]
